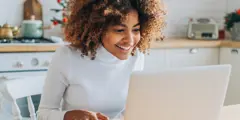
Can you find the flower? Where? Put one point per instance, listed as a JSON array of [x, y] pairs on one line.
[[65, 20], [63, 10], [232, 18], [59, 1], [55, 23], [238, 11]]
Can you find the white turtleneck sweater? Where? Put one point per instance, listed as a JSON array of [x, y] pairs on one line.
[[99, 85]]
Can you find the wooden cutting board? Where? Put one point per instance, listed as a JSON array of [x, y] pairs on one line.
[[32, 7]]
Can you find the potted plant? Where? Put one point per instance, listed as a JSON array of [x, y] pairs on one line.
[[232, 24], [61, 21]]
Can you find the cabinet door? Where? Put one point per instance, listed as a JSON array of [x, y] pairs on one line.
[[232, 56], [186, 57], [156, 60]]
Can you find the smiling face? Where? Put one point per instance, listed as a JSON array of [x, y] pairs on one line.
[[120, 39]]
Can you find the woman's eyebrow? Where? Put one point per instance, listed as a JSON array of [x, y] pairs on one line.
[[123, 25], [136, 24]]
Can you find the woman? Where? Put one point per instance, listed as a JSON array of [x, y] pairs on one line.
[[90, 76]]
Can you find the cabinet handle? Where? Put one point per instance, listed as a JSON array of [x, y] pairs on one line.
[[193, 50], [46, 63], [18, 64], [234, 51]]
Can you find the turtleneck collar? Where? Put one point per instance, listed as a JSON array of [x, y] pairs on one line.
[[107, 57]]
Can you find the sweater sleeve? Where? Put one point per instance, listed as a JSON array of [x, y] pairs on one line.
[[54, 87]]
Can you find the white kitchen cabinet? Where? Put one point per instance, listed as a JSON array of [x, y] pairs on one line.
[[232, 56], [161, 59], [156, 60], [186, 57]]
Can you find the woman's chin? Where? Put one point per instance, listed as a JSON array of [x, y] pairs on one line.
[[123, 56]]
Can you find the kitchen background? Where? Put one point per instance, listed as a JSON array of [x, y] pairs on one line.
[[179, 12], [25, 59]]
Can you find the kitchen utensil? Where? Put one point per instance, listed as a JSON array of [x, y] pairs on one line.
[[16, 31], [6, 32], [32, 7], [32, 28]]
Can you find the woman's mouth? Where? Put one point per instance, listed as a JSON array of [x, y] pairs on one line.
[[125, 48]]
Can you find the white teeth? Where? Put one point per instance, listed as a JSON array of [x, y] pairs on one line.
[[125, 48]]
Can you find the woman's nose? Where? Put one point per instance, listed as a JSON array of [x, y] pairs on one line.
[[129, 38]]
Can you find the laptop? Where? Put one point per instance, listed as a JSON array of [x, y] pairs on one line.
[[194, 93]]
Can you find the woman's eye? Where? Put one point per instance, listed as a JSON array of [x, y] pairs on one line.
[[136, 30], [119, 30]]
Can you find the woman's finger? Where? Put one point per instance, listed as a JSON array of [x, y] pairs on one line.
[[100, 116]]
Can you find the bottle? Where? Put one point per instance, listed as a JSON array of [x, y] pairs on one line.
[[221, 31]]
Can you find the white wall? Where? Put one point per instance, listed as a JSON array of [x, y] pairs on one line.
[[179, 11]]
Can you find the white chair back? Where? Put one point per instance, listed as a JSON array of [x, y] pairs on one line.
[[20, 88]]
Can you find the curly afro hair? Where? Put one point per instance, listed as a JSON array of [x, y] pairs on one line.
[[89, 19]]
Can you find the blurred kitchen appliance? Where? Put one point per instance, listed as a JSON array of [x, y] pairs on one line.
[[16, 65], [202, 28], [27, 41]]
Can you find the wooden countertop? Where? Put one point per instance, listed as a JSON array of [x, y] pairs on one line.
[[29, 47], [186, 43], [167, 43]]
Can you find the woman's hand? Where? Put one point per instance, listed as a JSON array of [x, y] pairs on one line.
[[100, 116], [84, 115]]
